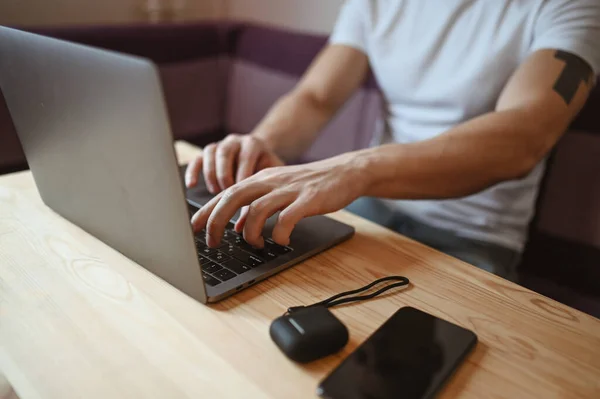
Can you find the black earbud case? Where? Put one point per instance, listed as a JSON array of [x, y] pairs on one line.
[[309, 334]]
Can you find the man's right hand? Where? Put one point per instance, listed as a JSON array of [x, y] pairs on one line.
[[229, 161]]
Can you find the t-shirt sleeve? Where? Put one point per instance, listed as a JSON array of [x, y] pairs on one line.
[[352, 24], [572, 26]]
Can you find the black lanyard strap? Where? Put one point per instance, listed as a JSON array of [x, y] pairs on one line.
[[339, 298]]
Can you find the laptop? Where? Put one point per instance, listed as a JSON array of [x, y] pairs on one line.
[[96, 134]]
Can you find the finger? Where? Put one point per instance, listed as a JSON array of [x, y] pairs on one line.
[[200, 218], [225, 157], [232, 200], [258, 213], [239, 224], [249, 154], [208, 167], [218, 214], [289, 218], [192, 171]]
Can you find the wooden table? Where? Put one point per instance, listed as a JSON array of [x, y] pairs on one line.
[[77, 319]]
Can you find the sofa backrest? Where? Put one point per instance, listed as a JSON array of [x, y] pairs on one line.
[[192, 64], [266, 63], [564, 238], [562, 257], [570, 202], [219, 78], [189, 58]]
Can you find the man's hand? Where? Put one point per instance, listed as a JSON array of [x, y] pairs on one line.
[[230, 161], [289, 129], [297, 191]]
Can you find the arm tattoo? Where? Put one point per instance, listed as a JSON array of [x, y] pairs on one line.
[[574, 72]]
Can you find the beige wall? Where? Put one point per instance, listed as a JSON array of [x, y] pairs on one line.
[[305, 15], [316, 16], [52, 12]]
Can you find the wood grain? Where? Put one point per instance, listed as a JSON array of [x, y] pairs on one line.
[[77, 319]]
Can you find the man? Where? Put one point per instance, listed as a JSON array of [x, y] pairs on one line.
[[477, 91]]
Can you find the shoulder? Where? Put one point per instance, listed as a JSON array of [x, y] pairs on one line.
[[572, 26]]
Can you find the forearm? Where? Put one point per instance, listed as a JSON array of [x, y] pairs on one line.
[[292, 124], [471, 157]]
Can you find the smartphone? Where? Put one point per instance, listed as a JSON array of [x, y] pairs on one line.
[[410, 356]]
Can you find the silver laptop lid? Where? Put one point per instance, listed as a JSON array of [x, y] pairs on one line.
[[95, 132]]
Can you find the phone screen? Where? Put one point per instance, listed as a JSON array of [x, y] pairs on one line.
[[410, 356]]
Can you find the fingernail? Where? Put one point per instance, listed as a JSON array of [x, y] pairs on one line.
[[211, 241]]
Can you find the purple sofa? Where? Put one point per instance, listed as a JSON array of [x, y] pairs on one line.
[[220, 78]]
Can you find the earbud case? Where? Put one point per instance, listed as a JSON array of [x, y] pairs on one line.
[[309, 334]]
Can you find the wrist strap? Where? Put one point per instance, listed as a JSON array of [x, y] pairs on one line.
[[339, 298]]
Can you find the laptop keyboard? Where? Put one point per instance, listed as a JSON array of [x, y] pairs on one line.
[[234, 256]]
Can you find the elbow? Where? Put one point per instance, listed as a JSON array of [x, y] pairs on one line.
[[527, 160], [320, 103], [535, 133], [523, 168]]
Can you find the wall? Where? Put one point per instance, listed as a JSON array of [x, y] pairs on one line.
[[55, 12], [316, 16]]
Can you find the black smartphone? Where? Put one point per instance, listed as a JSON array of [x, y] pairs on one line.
[[410, 356]]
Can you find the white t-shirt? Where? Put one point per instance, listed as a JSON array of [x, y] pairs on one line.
[[443, 62]]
